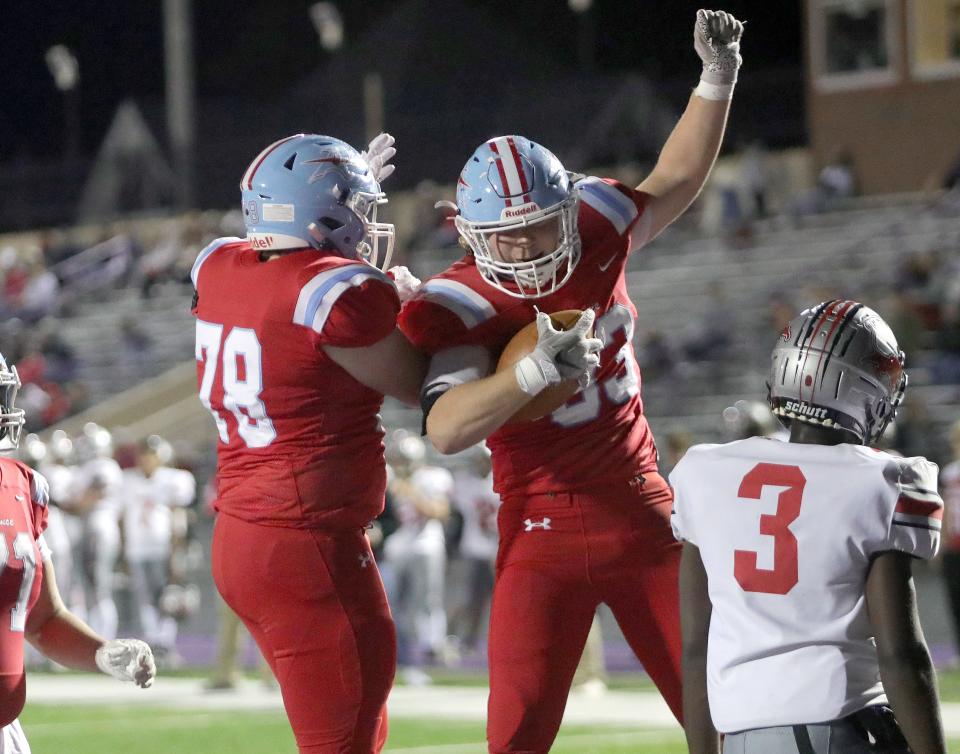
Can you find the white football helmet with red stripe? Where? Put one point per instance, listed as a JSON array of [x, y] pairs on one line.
[[510, 182], [838, 365]]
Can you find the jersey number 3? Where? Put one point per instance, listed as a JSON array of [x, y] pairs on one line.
[[241, 375], [785, 573]]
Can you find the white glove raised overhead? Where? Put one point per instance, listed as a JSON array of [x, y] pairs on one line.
[[716, 38], [559, 355], [407, 283], [127, 660], [378, 154]]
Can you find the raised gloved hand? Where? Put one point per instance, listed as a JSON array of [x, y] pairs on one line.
[[407, 283], [559, 355], [716, 38], [378, 154], [127, 660]]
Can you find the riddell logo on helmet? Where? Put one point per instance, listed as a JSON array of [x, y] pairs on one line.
[[805, 409], [525, 209], [261, 242]]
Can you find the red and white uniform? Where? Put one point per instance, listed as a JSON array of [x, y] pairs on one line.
[[786, 532], [289, 554], [562, 451], [23, 517], [289, 418], [585, 515]]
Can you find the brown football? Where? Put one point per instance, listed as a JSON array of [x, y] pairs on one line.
[[523, 343]]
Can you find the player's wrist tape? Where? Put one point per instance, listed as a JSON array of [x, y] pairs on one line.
[[533, 375], [715, 92]]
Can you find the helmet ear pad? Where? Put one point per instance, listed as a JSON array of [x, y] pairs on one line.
[[339, 228]]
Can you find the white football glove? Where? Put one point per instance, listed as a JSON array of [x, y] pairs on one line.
[[560, 354], [128, 660], [407, 283], [716, 38], [378, 154]]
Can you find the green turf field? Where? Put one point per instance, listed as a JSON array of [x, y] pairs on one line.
[[104, 729], [96, 730]]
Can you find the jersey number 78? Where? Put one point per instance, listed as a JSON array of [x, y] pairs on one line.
[[236, 360]]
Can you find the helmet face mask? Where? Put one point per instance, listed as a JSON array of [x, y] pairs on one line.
[[511, 183], [838, 365], [315, 191], [12, 418]]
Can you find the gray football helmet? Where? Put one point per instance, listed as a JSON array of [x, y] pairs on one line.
[[11, 417], [838, 365]]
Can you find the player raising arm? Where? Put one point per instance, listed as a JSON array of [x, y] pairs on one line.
[[296, 346], [30, 602], [585, 514], [799, 617]]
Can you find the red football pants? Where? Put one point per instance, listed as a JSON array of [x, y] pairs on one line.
[[315, 605], [560, 556]]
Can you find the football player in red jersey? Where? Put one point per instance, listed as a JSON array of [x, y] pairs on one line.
[[28, 588], [296, 346], [585, 516]]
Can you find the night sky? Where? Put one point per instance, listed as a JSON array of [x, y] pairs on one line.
[[258, 47]]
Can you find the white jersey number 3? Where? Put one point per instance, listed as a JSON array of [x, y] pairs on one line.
[[241, 390]]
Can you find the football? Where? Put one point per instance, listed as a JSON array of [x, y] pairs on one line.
[[523, 343]]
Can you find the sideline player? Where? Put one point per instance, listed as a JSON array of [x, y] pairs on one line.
[[799, 616], [585, 515], [156, 496], [296, 346], [30, 602]]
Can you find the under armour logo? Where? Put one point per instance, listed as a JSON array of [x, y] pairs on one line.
[[529, 524], [365, 559]]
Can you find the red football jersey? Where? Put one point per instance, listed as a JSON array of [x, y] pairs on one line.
[[23, 517], [600, 435], [300, 439]]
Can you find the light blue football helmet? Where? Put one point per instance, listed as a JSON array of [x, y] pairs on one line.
[[316, 191], [510, 182]]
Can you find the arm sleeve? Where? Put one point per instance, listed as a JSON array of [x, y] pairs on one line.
[[39, 499], [348, 306], [917, 508], [619, 206]]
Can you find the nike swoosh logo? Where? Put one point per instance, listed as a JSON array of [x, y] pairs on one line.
[[603, 267]]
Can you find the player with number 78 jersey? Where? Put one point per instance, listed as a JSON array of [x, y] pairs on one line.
[[296, 345]]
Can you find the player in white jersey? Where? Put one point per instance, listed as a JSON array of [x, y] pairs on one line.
[[474, 497], [98, 483], [155, 496], [799, 621], [415, 554]]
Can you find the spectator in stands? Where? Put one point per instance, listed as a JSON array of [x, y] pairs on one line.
[[40, 292], [136, 345], [836, 182], [710, 338]]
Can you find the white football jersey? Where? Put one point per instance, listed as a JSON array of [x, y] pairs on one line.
[[474, 497], [148, 517], [786, 532], [950, 489]]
